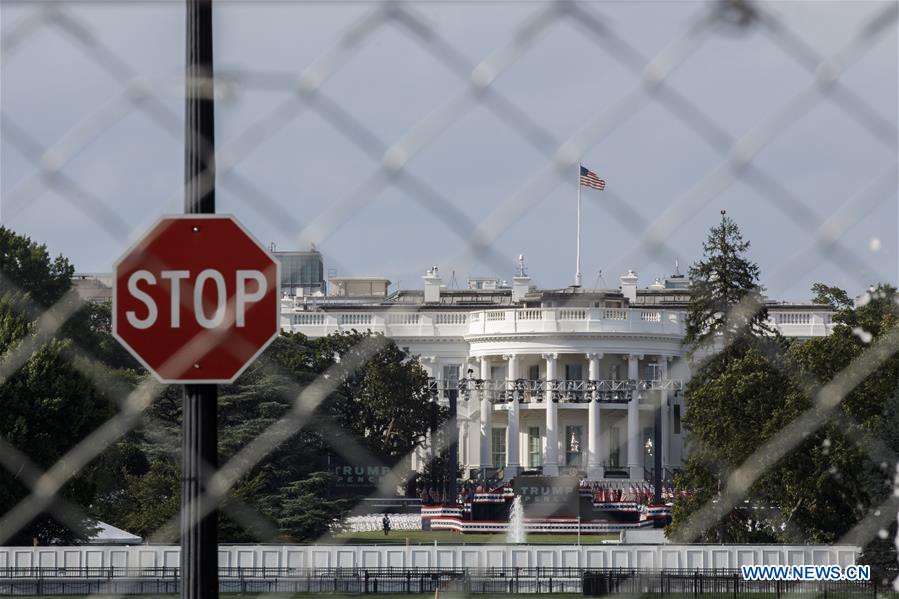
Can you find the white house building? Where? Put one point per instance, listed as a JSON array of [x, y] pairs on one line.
[[539, 357]]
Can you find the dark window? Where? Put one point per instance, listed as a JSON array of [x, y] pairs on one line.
[[677, 419], [574, 372], [534, 372]]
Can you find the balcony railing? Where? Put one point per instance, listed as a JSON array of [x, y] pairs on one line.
[[396, 323], [484, 322], [566, 391]]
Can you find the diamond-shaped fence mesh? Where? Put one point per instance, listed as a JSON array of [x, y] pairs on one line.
[[382, 106]]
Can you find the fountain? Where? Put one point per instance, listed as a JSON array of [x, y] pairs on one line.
[[515, 533]]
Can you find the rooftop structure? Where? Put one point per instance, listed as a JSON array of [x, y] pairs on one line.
[[93, 287], [302, 273]]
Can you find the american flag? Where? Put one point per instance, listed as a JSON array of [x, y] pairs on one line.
[[589, 179]]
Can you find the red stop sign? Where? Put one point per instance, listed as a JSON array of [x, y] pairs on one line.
[[196, 300]]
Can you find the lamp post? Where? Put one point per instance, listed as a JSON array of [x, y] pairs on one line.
[[453, 458], [657, 453], [452, 394]]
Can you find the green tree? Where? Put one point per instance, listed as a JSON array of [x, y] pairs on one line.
[[854, 463], [49, 405], [382, 408], [737, 401], [302, 512], [150, 498], [26, 266], [834, 297], [733, 389], [91, 327], [385, 405], [837, 475], [725, 296]]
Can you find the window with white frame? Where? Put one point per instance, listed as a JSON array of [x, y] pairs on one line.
[[614, 444], [573, 447], [498, 447], [535, 448]]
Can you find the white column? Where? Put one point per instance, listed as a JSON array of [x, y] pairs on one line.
[[486, 416], [551, 463], [634, 446], [594, 463], [666, 413], [472, 416], [513, 454]]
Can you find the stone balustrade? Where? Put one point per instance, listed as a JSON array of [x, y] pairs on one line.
[[460, 324]]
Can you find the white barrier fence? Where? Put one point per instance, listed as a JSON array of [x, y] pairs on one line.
[[438, 556]]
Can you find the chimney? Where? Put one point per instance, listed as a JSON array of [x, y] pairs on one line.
[[629, 286], [432, 285], [521, 282]]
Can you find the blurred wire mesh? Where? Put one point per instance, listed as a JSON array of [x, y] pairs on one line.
[[51, 166]]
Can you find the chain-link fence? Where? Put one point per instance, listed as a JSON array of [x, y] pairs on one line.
[[478, 581], [393, 152]]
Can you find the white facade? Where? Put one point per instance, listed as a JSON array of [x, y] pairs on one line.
[[535, 346]]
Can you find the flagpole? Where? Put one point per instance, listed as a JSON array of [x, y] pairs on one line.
[[577, 272]]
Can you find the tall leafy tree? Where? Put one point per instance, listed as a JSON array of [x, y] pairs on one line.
[[828, 295], [49, 405], [380, 412], [27, 266], [733, 388], [725, 295], [66, 388], [865, 424], [838, 475]]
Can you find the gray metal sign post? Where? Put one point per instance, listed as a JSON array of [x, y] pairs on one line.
[[199, 534]]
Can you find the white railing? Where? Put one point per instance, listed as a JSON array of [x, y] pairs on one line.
[[354, 319], [792, 323], [462, 324], [403, 318], [572, 314], [310, 318], [575, 320], [450, 318], [793, 318]]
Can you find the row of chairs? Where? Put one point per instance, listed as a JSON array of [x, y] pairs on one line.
[[374, 522]]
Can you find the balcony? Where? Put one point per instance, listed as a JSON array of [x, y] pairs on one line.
[[481, 323], [485, 322], [564, 391], [793, 323], [576, 320]]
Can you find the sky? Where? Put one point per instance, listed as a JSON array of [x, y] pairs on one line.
[[449, 134]]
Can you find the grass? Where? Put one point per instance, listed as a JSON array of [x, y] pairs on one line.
[[454, 538], [448, 595]]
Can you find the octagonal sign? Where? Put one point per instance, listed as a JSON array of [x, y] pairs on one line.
[[196, 299]]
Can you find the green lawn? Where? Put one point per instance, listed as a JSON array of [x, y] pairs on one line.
[[454, 538], [311, 595], [884, 595]]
